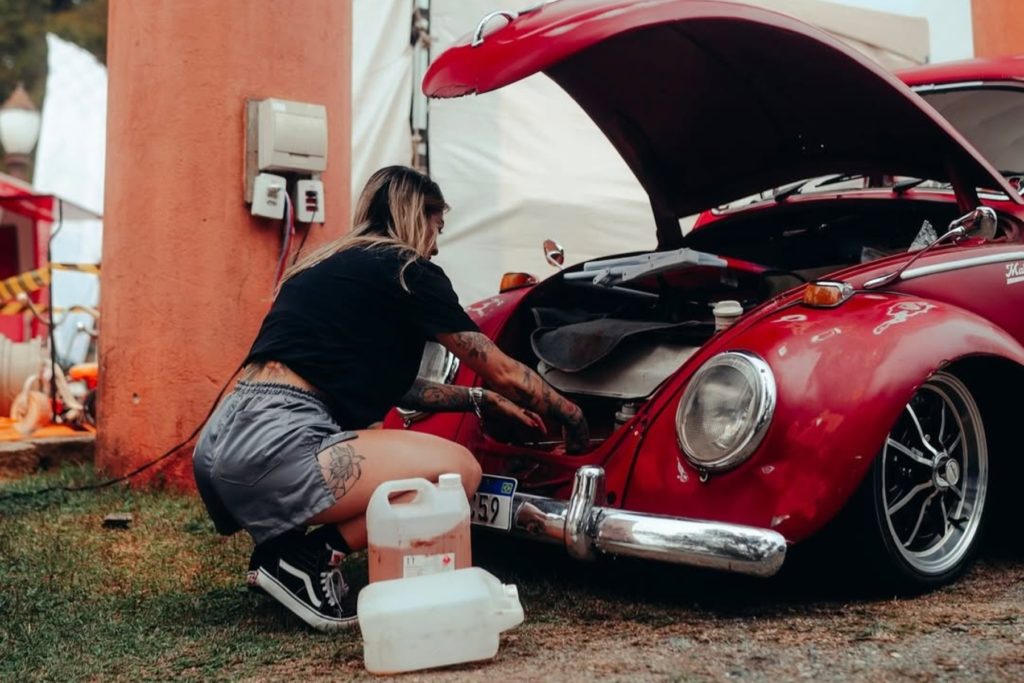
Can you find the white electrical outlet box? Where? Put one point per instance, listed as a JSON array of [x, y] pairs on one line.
[[268, 196], [309, 201], [292, 136]]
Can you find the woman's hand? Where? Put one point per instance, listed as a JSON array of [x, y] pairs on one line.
[[576, 431], [496, 405]]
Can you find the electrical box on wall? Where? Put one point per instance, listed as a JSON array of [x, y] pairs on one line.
[[292, 136], [309, 201], [268, 196], [286, 138]]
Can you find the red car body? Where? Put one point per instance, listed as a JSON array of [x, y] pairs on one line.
[[709, 102]]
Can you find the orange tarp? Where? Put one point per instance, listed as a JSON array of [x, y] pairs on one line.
[[9, 433]]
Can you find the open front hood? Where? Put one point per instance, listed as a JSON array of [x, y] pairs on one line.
[[711, 101]]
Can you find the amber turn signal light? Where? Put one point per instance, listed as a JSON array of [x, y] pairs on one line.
[[510, 281], [827, 294]]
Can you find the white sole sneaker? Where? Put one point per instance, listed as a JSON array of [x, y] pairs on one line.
[[279, 592]]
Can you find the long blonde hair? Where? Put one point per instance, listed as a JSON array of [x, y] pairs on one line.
[[392, 212]]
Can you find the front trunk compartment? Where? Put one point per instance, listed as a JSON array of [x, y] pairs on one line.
[[608, 333]]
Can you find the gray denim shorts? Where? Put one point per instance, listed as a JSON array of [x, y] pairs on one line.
[[256, 459]]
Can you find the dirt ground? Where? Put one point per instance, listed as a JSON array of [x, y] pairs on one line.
[[800, 626]]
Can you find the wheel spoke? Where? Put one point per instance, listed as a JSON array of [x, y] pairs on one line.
[[905, 450], [958, 492], [898, 505], [942, 421], [920, 432], [956, 442], [920, 518], [945, 517]]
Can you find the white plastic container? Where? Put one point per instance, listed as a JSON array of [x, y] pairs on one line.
[[725, 313], [426, 535], [435, 620]]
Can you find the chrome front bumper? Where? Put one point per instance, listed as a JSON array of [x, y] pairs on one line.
[[587, 530]]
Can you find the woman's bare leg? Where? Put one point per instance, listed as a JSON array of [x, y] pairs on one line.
[[354, 469]]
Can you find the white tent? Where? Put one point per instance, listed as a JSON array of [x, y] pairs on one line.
[[525, 163], [69, 163]]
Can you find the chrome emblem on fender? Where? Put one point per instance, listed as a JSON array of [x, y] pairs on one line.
[[903, 311], [1014, 272]]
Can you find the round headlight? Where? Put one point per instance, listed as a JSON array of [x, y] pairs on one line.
[[438, 365], [726, 409]]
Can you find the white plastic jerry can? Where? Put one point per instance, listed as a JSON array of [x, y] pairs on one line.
[[426, 534], [435, 620]]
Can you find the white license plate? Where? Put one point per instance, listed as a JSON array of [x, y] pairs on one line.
[[492, 502]]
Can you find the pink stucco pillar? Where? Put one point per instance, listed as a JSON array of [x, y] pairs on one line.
[[187, 271], [998, 27]]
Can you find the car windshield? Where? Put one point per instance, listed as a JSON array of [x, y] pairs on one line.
[[990, 117]]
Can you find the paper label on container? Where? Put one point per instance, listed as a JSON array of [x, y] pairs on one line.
[[421, 565]]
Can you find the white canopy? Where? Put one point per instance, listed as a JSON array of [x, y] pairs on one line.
[[525, 163]]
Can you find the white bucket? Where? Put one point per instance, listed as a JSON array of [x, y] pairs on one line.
[[435, 620], [425, 535], [18, 362]]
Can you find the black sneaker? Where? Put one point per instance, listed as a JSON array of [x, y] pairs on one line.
[[267, 553], [306, 578]]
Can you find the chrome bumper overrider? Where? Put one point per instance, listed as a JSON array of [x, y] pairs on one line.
[[587, 530]]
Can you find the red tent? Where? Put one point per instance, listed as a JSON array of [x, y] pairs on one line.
[[26, 217]]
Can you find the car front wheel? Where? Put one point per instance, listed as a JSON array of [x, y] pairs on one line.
[[928, 487]]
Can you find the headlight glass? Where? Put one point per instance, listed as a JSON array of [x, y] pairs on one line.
[[437, 365], [725, 410]]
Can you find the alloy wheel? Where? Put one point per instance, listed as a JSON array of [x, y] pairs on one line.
[[934, 477]]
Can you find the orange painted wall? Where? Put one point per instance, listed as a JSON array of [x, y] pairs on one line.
[[998, 27], [187, 271]]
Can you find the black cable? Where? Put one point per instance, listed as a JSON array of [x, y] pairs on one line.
[[302, 243], [103, 484], [49, 296], [286, 237]]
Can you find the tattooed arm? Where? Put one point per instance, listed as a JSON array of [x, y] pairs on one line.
[[437, 398], [517, 382]]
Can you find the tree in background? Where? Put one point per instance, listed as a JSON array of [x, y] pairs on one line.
[[23, 28]]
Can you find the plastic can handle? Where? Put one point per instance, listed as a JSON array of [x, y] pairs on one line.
[[382, 496]]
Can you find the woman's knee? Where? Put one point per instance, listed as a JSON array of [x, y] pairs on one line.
[[459, 460], [469, 470]]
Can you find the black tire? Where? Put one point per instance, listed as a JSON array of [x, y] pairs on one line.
[[922, 505]]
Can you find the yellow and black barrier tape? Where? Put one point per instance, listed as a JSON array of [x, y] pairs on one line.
[[93, 268], [34, 280], [21, 306]]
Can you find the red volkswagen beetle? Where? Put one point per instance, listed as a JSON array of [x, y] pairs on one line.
[[846, 343]]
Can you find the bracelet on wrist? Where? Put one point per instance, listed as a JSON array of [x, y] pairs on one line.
[[476, 397]]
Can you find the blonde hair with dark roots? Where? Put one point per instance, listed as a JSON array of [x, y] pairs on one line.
[[392, 212]]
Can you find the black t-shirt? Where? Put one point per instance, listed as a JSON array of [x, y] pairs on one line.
[[347, 327]]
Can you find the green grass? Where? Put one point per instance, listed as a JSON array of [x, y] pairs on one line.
[[165, 598]]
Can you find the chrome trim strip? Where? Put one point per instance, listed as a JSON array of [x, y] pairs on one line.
[[478, 34], [921, 271], [941, 87], [581, 526]]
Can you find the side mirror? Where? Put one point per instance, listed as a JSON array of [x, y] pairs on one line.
[[980, 222], [554, 253]]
